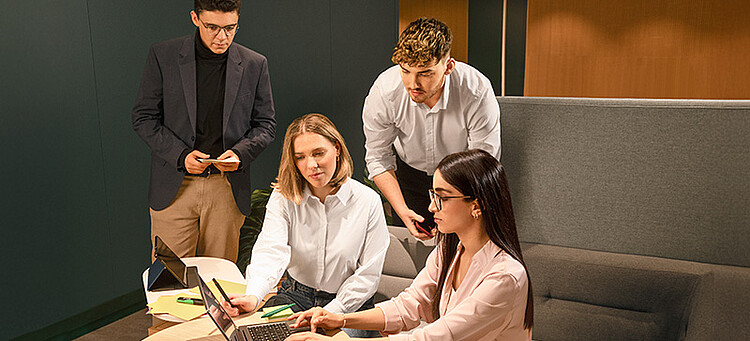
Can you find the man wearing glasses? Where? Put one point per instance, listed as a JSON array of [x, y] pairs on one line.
[[205, 110]]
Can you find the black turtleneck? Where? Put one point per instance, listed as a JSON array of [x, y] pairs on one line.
[[211, 75]]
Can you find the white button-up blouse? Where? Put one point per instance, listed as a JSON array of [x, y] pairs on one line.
[[338, 246]]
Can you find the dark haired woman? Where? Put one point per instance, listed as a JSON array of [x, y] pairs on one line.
[[474, 285]]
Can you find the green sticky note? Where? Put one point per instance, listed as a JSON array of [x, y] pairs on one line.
[[284, 313]]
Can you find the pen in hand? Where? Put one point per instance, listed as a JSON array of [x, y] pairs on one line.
[[223, 293]]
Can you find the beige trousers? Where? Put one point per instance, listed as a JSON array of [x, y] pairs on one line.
[[203, 219]]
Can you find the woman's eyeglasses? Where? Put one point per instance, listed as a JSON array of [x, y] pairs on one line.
[[438, 200]]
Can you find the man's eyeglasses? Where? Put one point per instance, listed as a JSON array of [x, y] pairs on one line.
[[438, 200], [214, 29]]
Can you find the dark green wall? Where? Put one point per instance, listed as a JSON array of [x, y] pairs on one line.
[[74, 212], [485, 42], [515, 47], [323, 58], [485, 39]]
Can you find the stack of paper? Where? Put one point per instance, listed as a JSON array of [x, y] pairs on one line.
[[167, 304], [229, 288]]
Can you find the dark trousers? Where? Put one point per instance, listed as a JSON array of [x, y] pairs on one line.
[[304, 297], [414, 185]]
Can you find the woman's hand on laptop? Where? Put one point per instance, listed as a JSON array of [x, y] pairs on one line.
[[242, 303], [317, 317]]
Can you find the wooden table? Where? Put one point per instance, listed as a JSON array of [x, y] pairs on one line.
[[204, 329]]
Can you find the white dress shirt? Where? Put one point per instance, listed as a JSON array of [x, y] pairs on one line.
[[466, 116], [338, 246]]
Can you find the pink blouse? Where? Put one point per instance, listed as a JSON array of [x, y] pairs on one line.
[[490, 303]]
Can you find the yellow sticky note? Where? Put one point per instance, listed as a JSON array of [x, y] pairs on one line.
[[229, 288], [168, 305]]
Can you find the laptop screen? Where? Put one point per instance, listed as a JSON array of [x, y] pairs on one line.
[[170, 260], [217, 313]]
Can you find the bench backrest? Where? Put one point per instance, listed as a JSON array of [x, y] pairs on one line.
[[667, 178]]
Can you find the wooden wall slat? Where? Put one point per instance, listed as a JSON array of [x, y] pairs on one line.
[[454, 13], [638, 48]]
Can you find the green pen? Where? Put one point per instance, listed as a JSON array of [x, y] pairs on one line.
[[188, 300], [277, 310]]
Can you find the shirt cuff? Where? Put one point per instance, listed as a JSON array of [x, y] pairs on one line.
[[181, 160], [259, 295], [239, 167], [376, 168], [392, 320], [335, 307]]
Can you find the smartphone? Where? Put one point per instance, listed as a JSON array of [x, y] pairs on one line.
[[422, 229], [223, 294]]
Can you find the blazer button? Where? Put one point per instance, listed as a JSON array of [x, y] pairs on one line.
[[192, 138]]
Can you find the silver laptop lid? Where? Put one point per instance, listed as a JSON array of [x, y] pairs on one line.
[[216, 312]]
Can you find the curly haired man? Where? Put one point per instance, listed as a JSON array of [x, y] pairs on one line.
[[418, 111]]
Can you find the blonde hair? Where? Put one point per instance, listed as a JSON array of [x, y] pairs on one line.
[[290, 182], [422, 41]]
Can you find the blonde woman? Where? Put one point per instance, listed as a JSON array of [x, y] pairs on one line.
[[324, 228]]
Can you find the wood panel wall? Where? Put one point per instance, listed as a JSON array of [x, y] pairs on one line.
[[454, 13], [638, 48]]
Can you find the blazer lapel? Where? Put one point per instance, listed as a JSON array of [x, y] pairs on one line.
[[187, 74], [234, 75]]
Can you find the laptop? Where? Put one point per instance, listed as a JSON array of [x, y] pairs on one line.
[[168, 272], [270, 331]]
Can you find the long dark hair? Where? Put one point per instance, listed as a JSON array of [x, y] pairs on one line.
[[478, 174]]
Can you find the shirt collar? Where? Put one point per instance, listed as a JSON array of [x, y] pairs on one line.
[[441, 104], [342, 195], [490, 249], [487, 253]]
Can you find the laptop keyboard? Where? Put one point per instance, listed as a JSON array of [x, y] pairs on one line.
[[275, 331]]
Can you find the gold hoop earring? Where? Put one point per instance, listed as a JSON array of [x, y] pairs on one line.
[[475, 215]]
